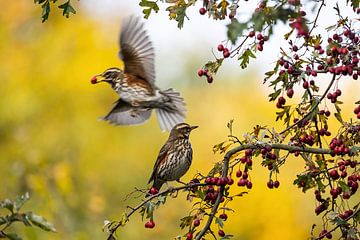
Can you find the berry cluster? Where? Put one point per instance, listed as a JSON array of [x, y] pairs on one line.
[[244, 180], [333, 96], [211, 192], [338, 147], [224, 50], [205, 72], [261, 40], [281, 102]]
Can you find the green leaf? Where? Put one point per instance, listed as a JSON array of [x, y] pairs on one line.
[[148, 7], [220, 222], [180, 16], [20, 201], [67, 9], [245, 58], [274, 95], [213, 67], [46, 11], [354, 3], [40, 222], [13, 236], [186, 221], [235, 30]]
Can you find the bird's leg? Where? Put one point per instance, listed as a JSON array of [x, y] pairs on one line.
[[178, 180]]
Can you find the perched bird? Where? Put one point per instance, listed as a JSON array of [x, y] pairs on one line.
[[175, 156], [136, 83]]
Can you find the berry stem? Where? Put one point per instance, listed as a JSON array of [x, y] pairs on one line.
[[313, 108]]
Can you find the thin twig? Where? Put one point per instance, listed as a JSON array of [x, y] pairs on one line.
[[313, 108]]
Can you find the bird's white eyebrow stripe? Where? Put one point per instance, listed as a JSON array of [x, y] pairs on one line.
[[182, 126]]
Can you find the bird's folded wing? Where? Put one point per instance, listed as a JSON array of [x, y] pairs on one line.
[[163, 155], [136, 50]]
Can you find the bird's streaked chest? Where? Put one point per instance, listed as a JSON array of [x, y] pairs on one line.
[[133, 89]]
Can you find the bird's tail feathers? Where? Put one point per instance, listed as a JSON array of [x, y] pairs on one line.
[[173, 111]]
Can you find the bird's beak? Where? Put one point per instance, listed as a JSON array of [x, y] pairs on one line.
[[193, 127], [95, 79]]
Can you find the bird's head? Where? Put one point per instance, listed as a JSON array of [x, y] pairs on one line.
[[110, 76], [181, 130]]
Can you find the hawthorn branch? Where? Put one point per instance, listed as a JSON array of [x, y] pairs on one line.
[[226, 169], [313, 108], [148, 199], [337, 226]]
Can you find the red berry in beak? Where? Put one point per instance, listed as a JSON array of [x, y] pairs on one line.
[[93, 80]]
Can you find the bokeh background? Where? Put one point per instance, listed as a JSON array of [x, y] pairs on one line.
[[78, 170]]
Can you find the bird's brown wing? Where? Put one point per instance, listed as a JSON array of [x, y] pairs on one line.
[[163, 154], [136, 50]]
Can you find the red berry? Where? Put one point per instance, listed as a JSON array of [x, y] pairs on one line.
[[357, 110], [306, 84], [153, 191], [338, 92], [346, 195], [290, 92], [270, 184], [260, 47], [200, 72], [196, 222], [251, 33], [334, 174], [93, 80], [226, 54], [210, 79], [276, 184], [189, 236], [282, 100], [242, 182], [238, 173], [249, 185], [221, 233], [220, 47], [202, 11], [150, 224], [248, 152], [223, 216]]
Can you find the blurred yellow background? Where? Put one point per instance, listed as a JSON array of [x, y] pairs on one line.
[[78, 170]]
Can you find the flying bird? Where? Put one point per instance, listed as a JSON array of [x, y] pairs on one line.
[[175, 156], [135, 84]]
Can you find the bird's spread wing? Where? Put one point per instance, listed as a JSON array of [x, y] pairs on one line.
[[124, 114], [136, 50], [161, 157]]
